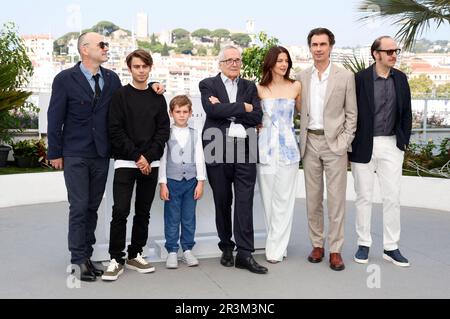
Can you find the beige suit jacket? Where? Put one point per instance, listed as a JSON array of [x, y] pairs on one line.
[[339, 112]]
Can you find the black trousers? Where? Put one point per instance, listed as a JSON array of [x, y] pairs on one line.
[[85, 180], [123, 185], [221, 178]]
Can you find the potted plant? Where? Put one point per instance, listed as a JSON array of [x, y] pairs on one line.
[[29, 153]]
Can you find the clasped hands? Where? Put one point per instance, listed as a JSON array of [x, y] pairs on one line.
[[144, 165]]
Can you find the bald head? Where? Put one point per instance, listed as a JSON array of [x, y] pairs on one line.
[[92, 48], [88, 37]]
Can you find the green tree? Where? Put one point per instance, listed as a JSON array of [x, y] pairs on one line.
[[421, 86], [144, 45], [153, 46], [220, 34], [201, 50], [241, 39], [184, 46], [13, 51], [15, 71], [253, 57], [165, 50], [443, 90], [216, 47], [180, 34], [60, 44], [413, 16], [103, 27], [153, 40], [201, 33]]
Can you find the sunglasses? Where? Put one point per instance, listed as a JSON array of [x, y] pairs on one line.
[[101, 44], [391, 52]]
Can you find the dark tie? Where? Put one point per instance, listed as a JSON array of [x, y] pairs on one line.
[[98, 91]]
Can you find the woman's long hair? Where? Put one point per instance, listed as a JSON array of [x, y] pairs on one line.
[[269, 62]]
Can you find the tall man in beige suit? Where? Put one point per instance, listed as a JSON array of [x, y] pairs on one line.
[[328, 124]]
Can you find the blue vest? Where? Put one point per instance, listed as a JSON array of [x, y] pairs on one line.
[[181, 160]]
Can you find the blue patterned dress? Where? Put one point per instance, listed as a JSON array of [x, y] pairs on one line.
[[277, 137]]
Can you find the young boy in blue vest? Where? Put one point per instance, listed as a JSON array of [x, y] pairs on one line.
[[182, 174]]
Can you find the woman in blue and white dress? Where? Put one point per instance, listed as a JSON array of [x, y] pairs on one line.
[[278, 150]]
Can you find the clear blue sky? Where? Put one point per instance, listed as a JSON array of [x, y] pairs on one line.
[[288, 20]]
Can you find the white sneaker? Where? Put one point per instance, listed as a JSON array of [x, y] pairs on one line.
[[172, 261], [140, 265], [189, 258], [113, 271]]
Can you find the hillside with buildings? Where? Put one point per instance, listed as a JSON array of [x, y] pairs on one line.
[[182, 58]]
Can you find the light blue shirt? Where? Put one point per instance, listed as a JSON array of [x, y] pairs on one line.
[[231, 86], [89, 76]]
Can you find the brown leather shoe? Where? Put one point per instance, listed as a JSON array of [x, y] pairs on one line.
[[316, 255], [336, 262]]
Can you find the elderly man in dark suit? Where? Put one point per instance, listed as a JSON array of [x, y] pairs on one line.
[[229, 137], [382, 136], [78, 142]]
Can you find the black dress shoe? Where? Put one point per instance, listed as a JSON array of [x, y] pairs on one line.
[[250, 264], [227, 259], [86, 273], [96, 271]]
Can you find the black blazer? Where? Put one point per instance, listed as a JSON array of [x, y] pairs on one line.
[[362, 145], [75, 127], [217, 114]]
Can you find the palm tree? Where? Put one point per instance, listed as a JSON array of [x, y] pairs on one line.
[[414, 16], [354, 64]]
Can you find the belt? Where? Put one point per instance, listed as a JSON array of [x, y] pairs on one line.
[[316, 132]]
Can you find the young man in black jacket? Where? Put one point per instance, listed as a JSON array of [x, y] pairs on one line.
[[139, 127]]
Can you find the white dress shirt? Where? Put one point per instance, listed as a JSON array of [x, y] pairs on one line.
[[181, 134], [235, 130], [317, 98]]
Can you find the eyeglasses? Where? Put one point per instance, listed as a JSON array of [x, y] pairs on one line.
[[101, 44], [390, 52], [232, 61]]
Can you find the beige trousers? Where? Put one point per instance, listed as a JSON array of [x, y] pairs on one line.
[[317, 160]]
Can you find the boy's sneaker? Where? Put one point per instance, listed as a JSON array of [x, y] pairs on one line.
[[396, 257], [189, 258], [172, 261], [362, 255], [140, 265], [113, 271]]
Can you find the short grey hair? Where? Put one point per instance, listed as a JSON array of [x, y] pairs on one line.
[[227, 47], [81, 40]]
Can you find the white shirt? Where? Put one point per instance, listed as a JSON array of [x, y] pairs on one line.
[[131, 164], [181, 134], [235, 130], [318, 89]]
